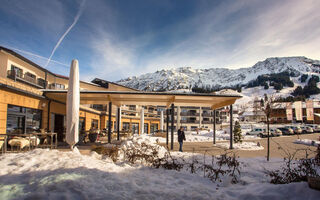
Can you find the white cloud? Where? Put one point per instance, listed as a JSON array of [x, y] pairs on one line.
[[234, 35]]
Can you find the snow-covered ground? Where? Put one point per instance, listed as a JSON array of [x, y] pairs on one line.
[[307, 142], [242, 146], [53, 174]]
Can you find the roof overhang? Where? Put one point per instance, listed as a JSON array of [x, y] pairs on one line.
[[146, 98]]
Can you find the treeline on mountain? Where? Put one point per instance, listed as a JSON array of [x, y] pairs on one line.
[[278, 80], [210, 89], [290, 99], [309, 89]]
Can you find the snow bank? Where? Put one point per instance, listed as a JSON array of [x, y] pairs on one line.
[[242, 146], [307, 142], [53, 174]]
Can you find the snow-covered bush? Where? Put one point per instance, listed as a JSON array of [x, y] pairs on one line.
[[296, 170]]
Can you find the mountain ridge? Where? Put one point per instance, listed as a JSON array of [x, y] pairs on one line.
[[185, 78]]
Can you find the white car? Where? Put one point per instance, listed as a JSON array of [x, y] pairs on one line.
[[257, 131], [306, 129], [275, 132], [296, 129], [315, 127]]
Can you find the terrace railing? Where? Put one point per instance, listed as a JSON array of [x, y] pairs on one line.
[[12, 74]]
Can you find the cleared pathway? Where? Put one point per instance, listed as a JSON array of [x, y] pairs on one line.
[[278, 147]]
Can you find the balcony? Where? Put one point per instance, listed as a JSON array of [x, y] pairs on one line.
[[57, 86], [206, 114], [165, 120], [207, 122], [189, 114], [165, 113], [189, 121], [26, 78]]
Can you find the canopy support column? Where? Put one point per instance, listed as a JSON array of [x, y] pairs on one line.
[[161, 120], [118, 122], [142, 121], [214, 126], [231, 127], [109, 122], [172, 124], [167, 136]]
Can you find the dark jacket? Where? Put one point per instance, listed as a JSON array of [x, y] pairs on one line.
[[181, 136]]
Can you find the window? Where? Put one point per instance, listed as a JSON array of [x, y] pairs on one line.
[[30, 77], [16, 71], [28, 74], [42, 82], [146, 128], [99, 107], [107, 124], [193, 128], [94, 124], [57, 86], [153, 128], [22, 120], [126, 126]]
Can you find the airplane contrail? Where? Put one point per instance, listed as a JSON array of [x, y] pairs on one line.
[[67, 31], [35, 55]]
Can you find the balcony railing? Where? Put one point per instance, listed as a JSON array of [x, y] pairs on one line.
[[206, 122], [165, 120], [25, 79], [190, 121], [206, 114]]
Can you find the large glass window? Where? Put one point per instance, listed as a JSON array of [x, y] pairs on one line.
[[146, 128], [82, 122], [94, 124], [23, 120], [126, 126]]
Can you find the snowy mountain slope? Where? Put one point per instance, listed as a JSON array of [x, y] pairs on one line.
[[185, 78]]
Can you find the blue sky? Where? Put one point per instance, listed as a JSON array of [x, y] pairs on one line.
[[114, 39]]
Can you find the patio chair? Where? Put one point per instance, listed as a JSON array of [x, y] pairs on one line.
[[3, 143]]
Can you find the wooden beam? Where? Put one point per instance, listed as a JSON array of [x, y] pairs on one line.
[[223, 103], [171, 101]]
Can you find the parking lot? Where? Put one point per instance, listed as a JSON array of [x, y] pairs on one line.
[[278, 147]]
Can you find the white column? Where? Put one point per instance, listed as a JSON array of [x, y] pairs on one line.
[[161, 120], [178, 117], [142, 120]]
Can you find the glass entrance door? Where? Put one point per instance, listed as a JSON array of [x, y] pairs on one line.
[[135, 128]]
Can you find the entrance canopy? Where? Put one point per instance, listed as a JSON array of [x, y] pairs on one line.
[[119, 98]]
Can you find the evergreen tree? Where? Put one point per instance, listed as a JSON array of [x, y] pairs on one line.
[[237, 137], [303, 78]]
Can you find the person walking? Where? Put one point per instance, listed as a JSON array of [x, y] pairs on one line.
[[181, 137]]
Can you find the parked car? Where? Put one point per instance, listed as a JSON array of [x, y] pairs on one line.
[[296, 129], [275, 132], [286, 131], [257, 131], [315, 127], [306, 129]]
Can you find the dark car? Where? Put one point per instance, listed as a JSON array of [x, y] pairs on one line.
[[286, 131]]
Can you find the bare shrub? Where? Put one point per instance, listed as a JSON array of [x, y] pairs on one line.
[[111, 151], [149, 155], [296, 170]]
